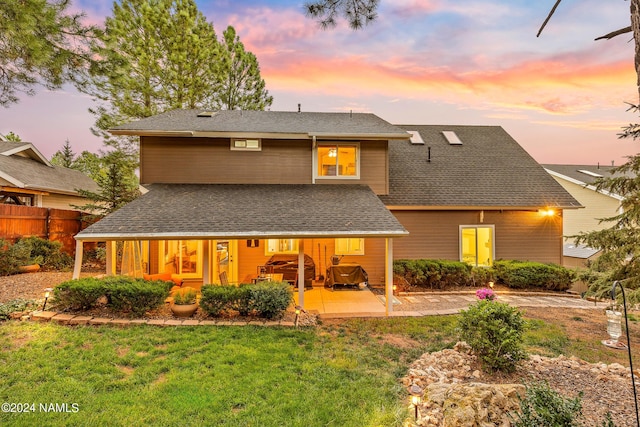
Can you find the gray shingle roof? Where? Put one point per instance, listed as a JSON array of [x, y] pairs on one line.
[[489, 169], [578, 251], [573, 171], [37, 176], [283, 122], [248, 211]]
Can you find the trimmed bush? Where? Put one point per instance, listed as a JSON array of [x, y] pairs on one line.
[[267, 299], [81, 294], [527, 274], [270, 300], [494, 331], [433, 274], [136, 296], [216, 299]]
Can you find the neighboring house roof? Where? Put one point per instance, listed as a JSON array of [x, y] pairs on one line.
[[23, 166], [488, 169], [175, 211], [578, 251], [278, 124], [583, 175]]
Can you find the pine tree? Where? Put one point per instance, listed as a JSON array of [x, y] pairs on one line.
[[619, 244], [10, 137], [241, 85], [40, 44], [117, 186], [357, 12], [64, 157]]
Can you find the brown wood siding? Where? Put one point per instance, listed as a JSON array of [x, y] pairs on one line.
[[210, 161], [519, 235]]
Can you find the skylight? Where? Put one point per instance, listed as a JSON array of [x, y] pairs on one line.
[[415, 137], [593, 174], [452, 138]]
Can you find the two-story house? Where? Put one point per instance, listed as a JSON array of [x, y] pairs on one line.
[[229, 189]]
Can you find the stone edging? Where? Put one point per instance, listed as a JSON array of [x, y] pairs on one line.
[[71, 319]]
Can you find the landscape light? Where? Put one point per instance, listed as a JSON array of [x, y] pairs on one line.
[[416, 393], [47, 293]]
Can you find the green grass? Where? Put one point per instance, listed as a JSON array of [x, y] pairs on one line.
[[205, 376], [334, 375]]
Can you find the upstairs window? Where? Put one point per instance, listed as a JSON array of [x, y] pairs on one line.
[[338, 161], [246, 145]]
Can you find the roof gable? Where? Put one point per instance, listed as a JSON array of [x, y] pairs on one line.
[[489, 169], [22, 149]]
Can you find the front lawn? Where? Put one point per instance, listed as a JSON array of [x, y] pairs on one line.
[[204, 376]]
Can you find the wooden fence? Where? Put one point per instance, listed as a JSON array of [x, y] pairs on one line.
[[52, 224]]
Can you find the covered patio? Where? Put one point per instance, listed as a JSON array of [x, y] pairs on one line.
[[211, 212]]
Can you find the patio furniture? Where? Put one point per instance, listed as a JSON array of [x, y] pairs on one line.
[[287, 265], [345, 274]]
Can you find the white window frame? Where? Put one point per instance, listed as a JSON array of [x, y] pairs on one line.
[[236, 144], [316, 173], [272, 244], [475, 227], [349, 243]]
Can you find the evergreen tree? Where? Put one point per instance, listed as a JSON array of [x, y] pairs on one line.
[[241, 85], [64, 157], [10, 137], [117, 186], [40, 43], [620, 243], [357, 12]]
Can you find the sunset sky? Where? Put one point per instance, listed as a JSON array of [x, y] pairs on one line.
[[562, 96]]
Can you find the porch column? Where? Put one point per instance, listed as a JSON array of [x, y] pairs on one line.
[[206, 264], [77, 265], [301, 273], [110, 258], [388, 275]]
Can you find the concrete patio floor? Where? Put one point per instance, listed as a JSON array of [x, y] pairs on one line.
[[347, 301]]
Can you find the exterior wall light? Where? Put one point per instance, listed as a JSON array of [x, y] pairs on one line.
[[547, 212], [416, 393]]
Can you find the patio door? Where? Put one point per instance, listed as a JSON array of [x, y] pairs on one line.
[[183, 257], [476, 245], [225, 260]]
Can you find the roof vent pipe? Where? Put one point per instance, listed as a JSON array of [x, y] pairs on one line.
[[429, 154], [298, 108], [350, 114]]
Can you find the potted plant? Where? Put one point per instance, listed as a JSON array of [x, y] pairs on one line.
[[184, 302]]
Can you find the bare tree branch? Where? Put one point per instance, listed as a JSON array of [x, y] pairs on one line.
[[544, 24], [615, 33]]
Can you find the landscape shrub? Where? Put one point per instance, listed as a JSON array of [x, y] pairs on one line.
[[12, 257], [135, 295], [433, 274], [15, 305], [122, 293], [46, 253], [267, 299], [527, 274], [543, 406], [494, 330], [217, 299], [270, 300], [81, 294]]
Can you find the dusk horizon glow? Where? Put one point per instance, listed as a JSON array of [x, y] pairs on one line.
[[562, 96]]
